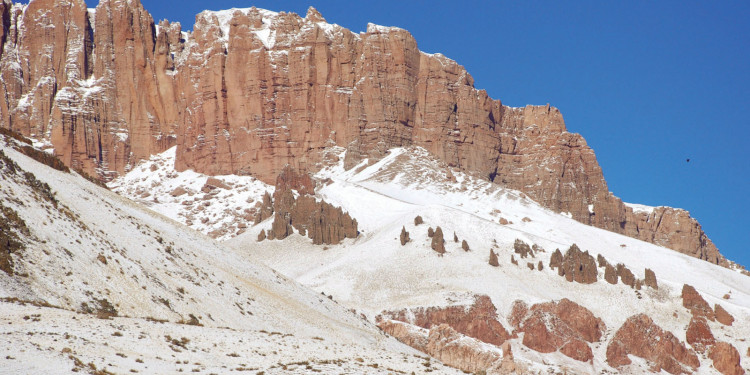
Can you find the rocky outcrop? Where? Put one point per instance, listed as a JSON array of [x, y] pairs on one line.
[[320, 221], [556, 259], [249, 91], [610, 274], [450, 347], [639, 336], [625, 275], [577, 266], [693, 301], [564, 326], [726, 359], [478, 320], [522, 248], [465, 245]]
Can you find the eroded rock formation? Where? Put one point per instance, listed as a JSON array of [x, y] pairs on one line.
[[693, 301], [726, 359], [250, 91], [577, 266], [319, 220]]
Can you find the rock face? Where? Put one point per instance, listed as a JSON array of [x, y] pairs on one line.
[[639, 336], [322, 222], [249, 91], [726, 359], [552, 326], [693, 301], [478, 320]]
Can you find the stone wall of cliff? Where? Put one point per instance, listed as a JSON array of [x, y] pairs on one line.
[[250, 91]]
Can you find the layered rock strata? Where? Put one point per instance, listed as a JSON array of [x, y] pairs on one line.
[[250, 91]]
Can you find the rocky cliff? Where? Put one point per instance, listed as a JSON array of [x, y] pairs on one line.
[[250, 91]]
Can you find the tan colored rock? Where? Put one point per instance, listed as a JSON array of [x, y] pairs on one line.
[[266, 209], [726, 359], [465, 245], [723, 316], [430, 232], [262, 235], [610, 274], [178, 191], [555, 261], [418, 220], [639, 336], [448, 346], [513, 260], [693, 301]]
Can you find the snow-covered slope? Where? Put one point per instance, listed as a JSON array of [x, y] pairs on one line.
[[375, 273], [88, 250]]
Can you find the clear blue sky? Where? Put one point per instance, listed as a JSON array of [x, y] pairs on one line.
[[648, 84]]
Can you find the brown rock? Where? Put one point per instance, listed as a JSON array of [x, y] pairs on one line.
[[513, 260], [610, 274], [537, 249], [600, 259], [455, 237], [503, 221], [540, 266], [404, 333], [522, 248], [650, 279], [578, 266], [699, 334], [465, 245], [418, 220], [214, 183], [530, 265], [320, 221], [722, 316], [639, 336], [625, 275], [178, 191], [555, 261], [262, 235], [726, 359], [478, 320], [266, 209], [430, 232], [404, 237], [564, 326], [493, 259], [693, 301], [438, 243]]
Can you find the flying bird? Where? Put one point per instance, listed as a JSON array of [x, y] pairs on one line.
[[688, 160]]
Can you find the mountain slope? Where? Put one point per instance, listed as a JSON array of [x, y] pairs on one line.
[[89, 253], [375, 273]]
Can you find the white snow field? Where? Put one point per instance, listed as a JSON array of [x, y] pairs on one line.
[[88, 249]]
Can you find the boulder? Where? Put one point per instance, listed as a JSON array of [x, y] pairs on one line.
[[493, 259], [438, 243], [465, 245], [404, 236], [262, 235], [418, 220], [722, 316]]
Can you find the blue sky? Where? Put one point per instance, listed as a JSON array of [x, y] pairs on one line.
[[648, 84]]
